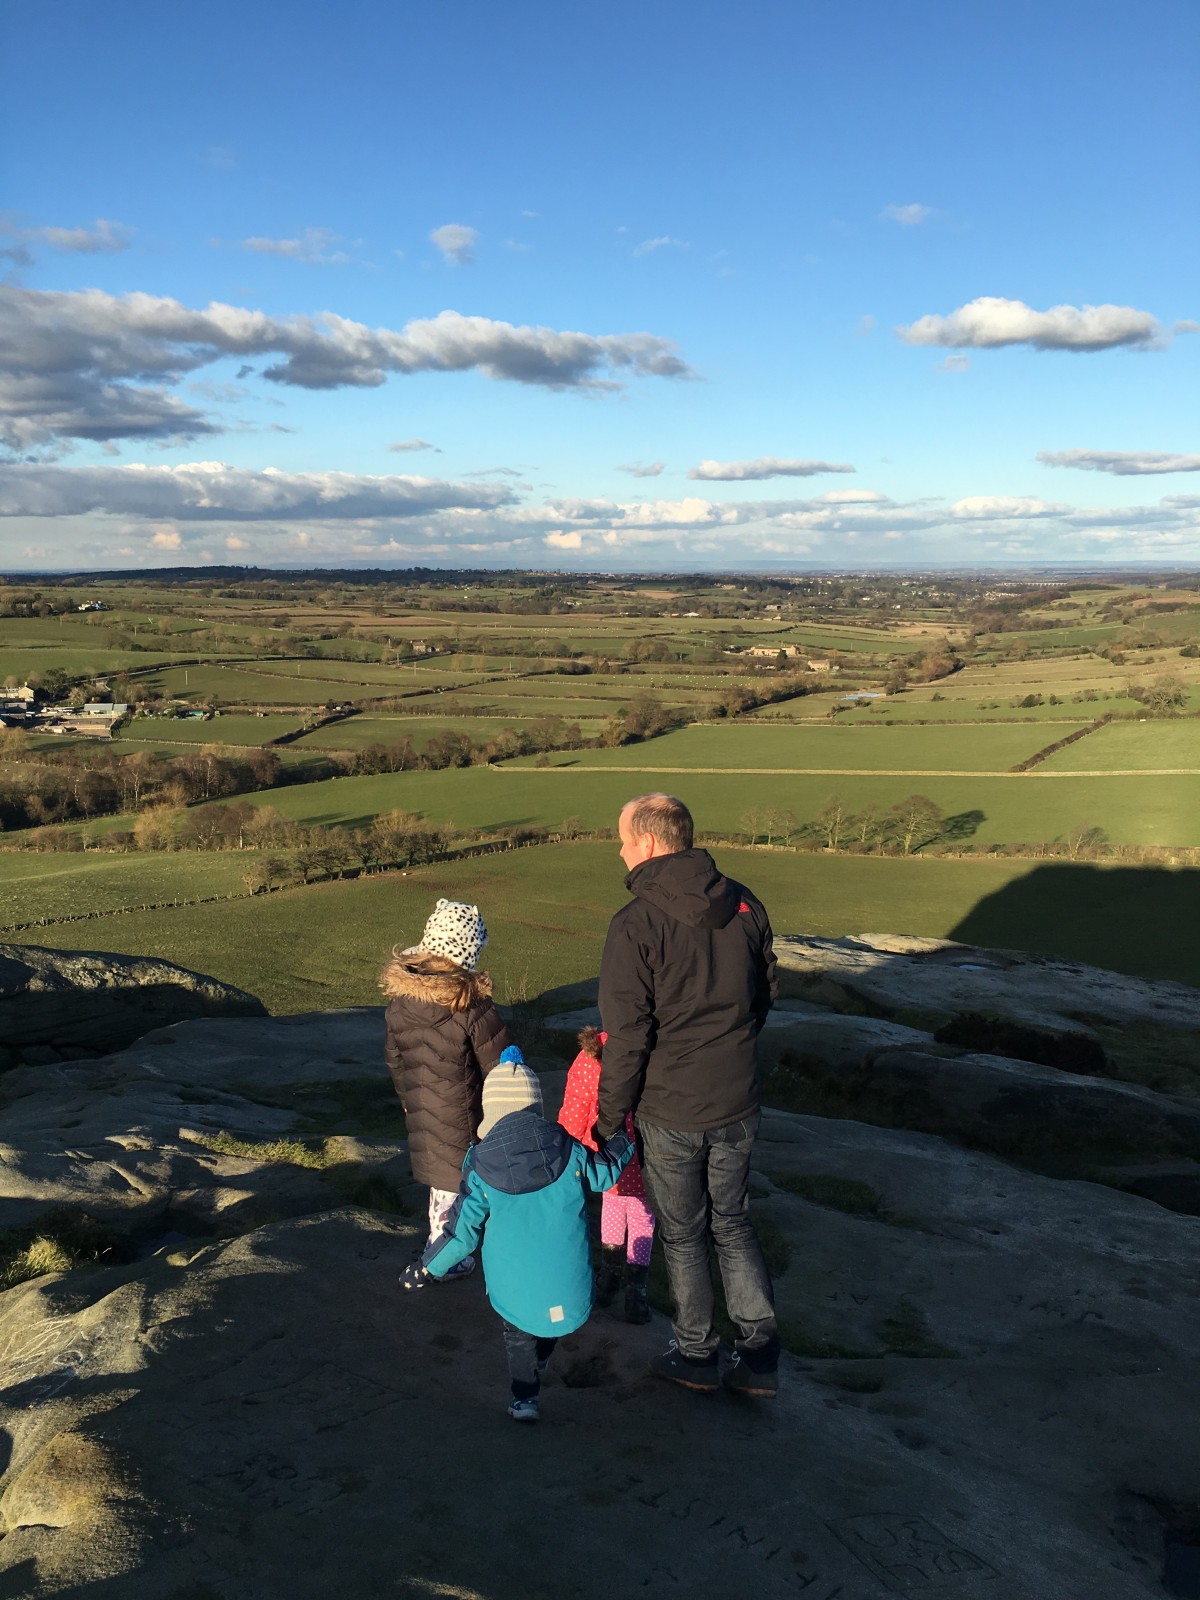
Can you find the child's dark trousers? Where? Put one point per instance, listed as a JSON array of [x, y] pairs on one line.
[[527, 1356]]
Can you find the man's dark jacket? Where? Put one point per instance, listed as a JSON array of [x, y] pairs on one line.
[[686, 981]]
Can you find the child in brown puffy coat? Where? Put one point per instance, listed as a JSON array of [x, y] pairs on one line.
[[626, 1222], [444, 1035]]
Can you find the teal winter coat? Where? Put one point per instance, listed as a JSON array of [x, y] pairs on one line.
[[523, 1194]]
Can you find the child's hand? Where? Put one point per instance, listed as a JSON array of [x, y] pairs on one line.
[[414, 1276]]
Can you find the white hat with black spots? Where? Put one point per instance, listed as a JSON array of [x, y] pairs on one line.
[[454, 930]]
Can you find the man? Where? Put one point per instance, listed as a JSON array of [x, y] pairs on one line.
[[686, 981]]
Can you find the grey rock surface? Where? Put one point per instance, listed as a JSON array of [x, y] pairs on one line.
[[976, 1096], [60, 1005], [938, 976], [990, 1387]]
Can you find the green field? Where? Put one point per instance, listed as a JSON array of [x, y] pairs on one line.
[[228, 728], [904, 712], [34, 885], [547, 910], [1132, 746], [733, 746], [571, 707], [1023, 808], [355, 733], [371, 674], [85, 659]]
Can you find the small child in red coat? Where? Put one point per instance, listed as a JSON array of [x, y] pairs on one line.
[[626, 1222]]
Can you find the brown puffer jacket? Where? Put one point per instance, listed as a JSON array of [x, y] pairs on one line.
[[444, 1035]]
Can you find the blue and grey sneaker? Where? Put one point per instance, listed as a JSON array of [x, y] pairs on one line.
[[525, 1410]]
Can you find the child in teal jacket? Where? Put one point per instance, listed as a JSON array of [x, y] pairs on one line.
[[524, 1195]]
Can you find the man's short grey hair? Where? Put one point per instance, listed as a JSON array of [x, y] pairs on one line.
[[664, 817]]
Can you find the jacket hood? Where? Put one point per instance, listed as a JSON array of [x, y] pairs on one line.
[[523, 1152], [418, 975], [686, 886]]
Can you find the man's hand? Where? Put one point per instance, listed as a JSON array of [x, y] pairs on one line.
[[414, 1276]]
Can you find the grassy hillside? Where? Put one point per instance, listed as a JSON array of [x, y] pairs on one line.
[[548, 908], [1030, 808], [734, 746]]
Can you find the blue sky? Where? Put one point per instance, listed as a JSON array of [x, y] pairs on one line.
[[636, 286]]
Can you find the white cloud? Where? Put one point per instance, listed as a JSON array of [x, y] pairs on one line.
[[281, 518], [211, 491], [312, 246], [852, 497], [663, 242], [651, 470], [866, 325], [990, 322], [414, 444], [103, 238], [907, 216], [80, 364], [1121, 463], [955, 364], [456, 242], [763, 467], [990, 507]]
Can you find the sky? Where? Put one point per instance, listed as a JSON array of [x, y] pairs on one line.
[[637, 286]]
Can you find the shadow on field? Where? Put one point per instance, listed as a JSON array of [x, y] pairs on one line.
[[1141, 920]]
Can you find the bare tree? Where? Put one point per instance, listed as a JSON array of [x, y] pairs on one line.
[[917, 821], [832, 819]]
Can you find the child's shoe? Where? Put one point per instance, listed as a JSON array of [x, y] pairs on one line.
[[608, 1273], [525, 1410], [637, 1305]]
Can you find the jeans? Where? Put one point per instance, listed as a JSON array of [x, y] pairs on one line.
[[697, 1184], [526, 1355]]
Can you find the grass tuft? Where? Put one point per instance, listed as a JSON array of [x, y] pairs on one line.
[[55, 1243], [284, 1152], [905, 1332], [838, 1194]]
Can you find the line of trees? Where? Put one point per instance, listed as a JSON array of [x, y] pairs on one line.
[[911, 825]]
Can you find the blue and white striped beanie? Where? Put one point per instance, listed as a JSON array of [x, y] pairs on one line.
[[510, 1086]]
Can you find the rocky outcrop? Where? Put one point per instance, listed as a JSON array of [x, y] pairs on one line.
[[60, 1005], [211, 1387], [940, 980], [989, 1383], [1049, 1063]]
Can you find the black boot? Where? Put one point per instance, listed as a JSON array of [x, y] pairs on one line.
[[637, 1306], [608, 1273]]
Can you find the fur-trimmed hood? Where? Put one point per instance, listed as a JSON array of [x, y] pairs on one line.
[[418, 975]]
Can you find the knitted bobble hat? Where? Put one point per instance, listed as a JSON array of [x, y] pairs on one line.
[[508, 1087], [456, 931]]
